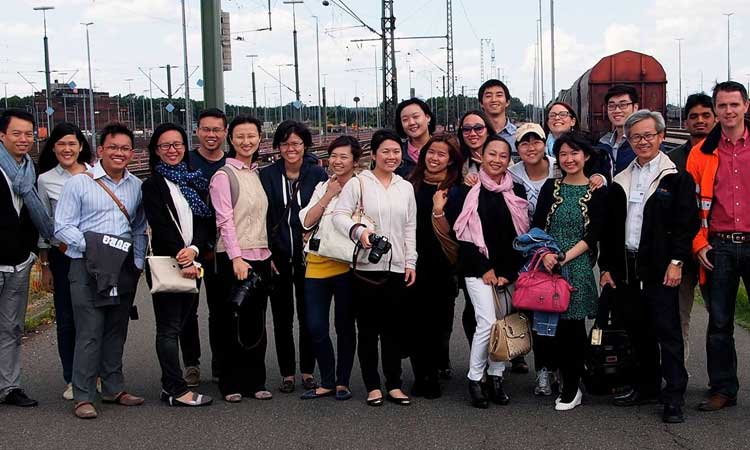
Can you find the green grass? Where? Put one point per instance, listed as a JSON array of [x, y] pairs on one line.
[[742, 311]]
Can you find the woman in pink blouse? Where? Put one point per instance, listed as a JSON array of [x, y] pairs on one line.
[[244, 264]]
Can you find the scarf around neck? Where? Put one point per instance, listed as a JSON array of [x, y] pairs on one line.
[[188, 182], [435, 178], [468, 226], [23, 181]]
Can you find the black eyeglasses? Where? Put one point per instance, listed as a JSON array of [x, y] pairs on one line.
[[467, 129], [165, 146]]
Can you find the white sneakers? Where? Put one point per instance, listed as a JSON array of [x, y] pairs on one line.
[[560, 406], [544, 381]]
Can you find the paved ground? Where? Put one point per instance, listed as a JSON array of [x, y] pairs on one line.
[[287, 422]]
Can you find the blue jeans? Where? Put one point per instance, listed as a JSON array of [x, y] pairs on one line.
[[318, 293], [59, 264], [731, 261]]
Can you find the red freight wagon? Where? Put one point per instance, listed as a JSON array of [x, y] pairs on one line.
[[641, 71]]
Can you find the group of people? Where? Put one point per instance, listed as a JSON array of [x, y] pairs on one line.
[[391, 246]]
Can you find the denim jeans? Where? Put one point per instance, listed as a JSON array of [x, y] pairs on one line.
[[318, 293], [731, 261], [59, 264]]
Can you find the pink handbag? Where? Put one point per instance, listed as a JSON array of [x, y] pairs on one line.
[[539, 290]]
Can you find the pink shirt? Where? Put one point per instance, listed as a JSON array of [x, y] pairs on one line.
[[221, 198], [413, 151], [731, 207]]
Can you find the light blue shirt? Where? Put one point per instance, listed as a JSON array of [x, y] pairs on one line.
[[509, 134], [84, 206]]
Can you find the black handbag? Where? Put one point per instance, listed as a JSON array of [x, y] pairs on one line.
[[609, 358]]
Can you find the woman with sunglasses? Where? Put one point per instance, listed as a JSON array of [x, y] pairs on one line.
[[179, 221], [65, 154], [474, 128]]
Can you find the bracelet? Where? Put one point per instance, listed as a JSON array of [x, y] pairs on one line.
[[44, 263], [322, 206], [437, 216]]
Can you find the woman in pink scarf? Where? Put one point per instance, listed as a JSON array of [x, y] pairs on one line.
[[494, 213]]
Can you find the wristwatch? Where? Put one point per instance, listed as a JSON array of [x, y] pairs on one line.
[[677, 263]]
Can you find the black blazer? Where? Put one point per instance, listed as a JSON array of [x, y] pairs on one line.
[[18, 235], [166, 239]]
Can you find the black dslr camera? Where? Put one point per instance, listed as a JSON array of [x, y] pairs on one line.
[[242, 291], [380, 246]]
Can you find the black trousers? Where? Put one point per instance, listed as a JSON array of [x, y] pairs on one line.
[[546, 349], [572, 341], [241, 334], [379, 309], [431, 302], [172, 312], [650, 313]]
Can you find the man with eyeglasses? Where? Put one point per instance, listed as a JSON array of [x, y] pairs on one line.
[[99, 209], [620, 101], [209, 157], [720, 165], [651, 221]]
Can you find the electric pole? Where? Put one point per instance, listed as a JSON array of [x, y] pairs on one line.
[[390, 79], [450, 116], [252, 78], [296, 59], [213, 68]]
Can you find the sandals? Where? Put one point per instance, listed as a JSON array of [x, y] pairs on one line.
[[309, 383], [233, 398], [125, 399], [85, 410], [287, 386], [263, 395]]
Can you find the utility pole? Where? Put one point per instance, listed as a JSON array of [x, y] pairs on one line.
[[296, 59], [213, 68], [541, 55], [679, 65], [390, 79], [552, 40], [729, 66], [92, 113], [317, 50], [252, 78], [44, 10], [449, 114], [188, 115]]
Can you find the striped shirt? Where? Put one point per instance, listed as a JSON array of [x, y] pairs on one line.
[[84, 206], [50, 184]]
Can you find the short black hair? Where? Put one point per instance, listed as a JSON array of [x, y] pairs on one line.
[[730, 86], [18, 114], [289, 127], [622, 89], [47, 158], [344, 141], [153, 158], [497, 138], [239, 120], [114, 128], [699, 99], [576, 141], [213, 112], [422, 105], [493, 82], [382, 135]]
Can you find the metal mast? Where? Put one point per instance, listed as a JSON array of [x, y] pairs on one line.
[[388, 25], [451, 114]]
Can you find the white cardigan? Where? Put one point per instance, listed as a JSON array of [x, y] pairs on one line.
[[394, 210]]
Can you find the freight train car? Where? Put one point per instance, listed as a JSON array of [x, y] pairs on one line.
[[586, 95]]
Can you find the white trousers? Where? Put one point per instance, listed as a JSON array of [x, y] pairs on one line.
[[484, 312]]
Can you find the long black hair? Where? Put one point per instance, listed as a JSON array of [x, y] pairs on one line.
[[465, 151], [240, 120], [577, 141], [153, 157], [47, 158], [455, 166]]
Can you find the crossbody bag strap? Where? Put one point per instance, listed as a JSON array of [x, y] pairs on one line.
[[109, 192]]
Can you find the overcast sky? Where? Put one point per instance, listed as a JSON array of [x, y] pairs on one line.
[[128, 34]]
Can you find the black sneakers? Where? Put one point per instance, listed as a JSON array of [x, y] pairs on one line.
[[17, 397]]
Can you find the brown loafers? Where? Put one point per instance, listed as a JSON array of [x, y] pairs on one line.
[[125, 399], [716, 402], [85, 410]]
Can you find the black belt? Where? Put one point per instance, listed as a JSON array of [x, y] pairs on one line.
[[632, 254], [735, 238]]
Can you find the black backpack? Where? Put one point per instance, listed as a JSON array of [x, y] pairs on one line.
[[609, 361]]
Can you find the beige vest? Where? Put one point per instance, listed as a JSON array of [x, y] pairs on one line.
[[249, 211]]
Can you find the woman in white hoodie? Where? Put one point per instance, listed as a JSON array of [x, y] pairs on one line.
[[389, 201]]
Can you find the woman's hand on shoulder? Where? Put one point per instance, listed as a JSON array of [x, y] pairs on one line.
[[471, 179]]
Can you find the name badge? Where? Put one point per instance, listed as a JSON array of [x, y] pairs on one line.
[[637, 196]]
